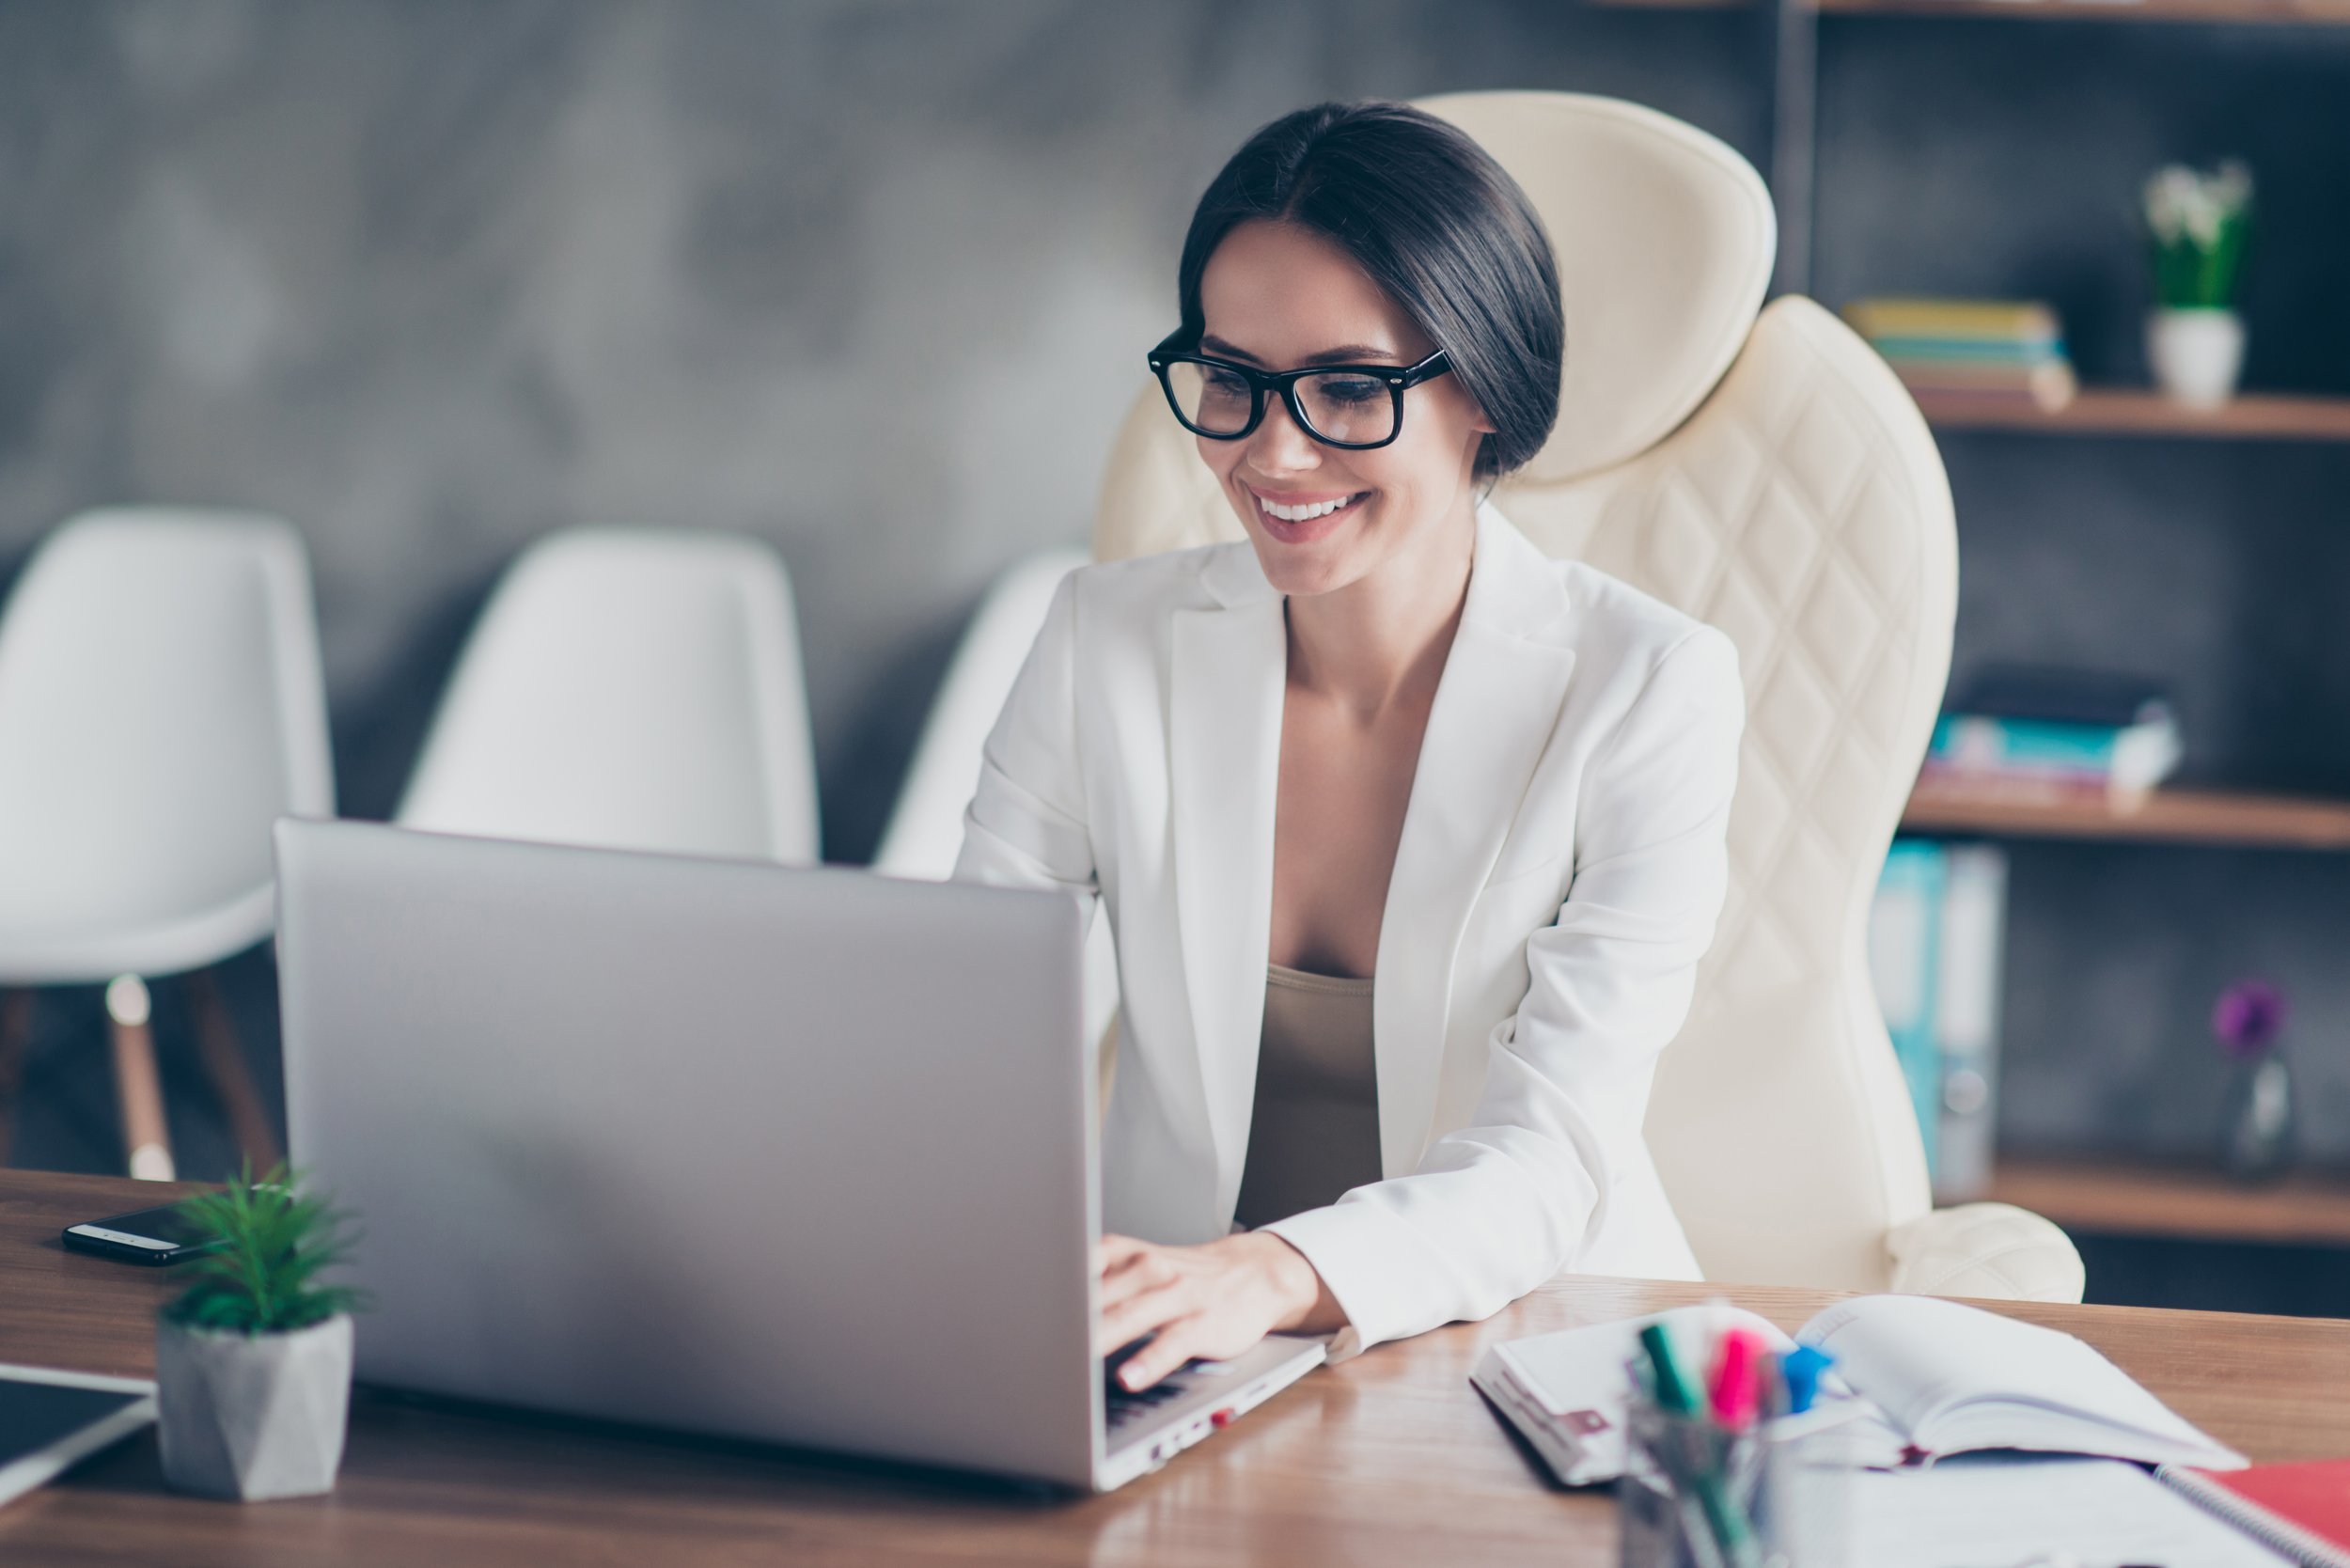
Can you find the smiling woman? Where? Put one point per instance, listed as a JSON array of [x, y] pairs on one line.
[[1411, 838]]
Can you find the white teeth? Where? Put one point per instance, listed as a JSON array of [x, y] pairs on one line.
[[1301, 514]]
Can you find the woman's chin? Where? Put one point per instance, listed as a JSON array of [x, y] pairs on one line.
[[1303, 570], [1308, 560]]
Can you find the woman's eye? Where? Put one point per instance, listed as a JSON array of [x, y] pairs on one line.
[[1350, 390], [1223, 384]]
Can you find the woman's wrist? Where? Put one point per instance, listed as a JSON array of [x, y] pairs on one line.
[[1305, 1303]]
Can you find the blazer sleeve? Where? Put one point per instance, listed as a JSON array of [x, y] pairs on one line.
[[1508, 1201], [1026, 826]]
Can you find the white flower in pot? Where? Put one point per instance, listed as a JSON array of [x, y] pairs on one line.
[[253, 1361], [2199, 222]]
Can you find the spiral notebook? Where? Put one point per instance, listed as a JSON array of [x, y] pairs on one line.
[[2301, 1511]]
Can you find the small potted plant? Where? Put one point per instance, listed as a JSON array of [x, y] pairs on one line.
[[2198, 221], [2256, 1128], [253, 1361]]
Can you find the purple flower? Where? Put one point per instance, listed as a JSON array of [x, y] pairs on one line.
[[2249, 1016]]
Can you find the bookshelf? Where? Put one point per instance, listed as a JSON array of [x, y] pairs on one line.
[[2303, 12], [2140, 412], [2104, 10], [2178, 1201], [2208, 817], [2102, 1194]]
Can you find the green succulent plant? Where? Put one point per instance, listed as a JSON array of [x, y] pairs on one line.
[[267, 1242]]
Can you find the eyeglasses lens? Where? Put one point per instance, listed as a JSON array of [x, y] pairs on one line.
[[1353, 408], [1345, 406], [1213, 400]]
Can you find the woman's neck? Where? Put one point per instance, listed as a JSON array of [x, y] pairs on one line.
[[1383, 639]]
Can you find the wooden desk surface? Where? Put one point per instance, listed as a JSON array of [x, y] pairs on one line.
[[1390, 1459]]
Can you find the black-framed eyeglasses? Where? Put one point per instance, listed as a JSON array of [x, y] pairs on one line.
[[1353, 406]]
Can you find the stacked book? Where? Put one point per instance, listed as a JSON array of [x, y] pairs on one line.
[[2046, 737], [1997, 351]]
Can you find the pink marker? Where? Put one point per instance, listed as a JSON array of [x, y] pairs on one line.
[[1737, 1385]]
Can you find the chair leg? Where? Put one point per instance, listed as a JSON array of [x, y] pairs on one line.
[[16, 1034], [137, 1084], [232, 1079]]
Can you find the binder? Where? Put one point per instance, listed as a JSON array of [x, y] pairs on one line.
[[1904, 938], [1973, 935]]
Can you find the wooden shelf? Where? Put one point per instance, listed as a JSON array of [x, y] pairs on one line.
[[2320, 11], [2129, 410], [2106, 10], [2183, 1202], [2202, 817]]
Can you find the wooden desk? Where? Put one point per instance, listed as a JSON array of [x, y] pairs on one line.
[[1390, 1459]]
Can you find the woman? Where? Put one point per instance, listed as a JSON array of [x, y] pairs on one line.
[[1410, 838]]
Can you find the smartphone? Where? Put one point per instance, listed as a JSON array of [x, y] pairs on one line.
[[150, 1236]]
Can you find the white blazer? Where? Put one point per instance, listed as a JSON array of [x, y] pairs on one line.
[[1560, 872]]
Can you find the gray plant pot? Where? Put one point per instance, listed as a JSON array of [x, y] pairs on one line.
[[253, 1416]]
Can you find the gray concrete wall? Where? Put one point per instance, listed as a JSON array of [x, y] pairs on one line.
[[874, 281]]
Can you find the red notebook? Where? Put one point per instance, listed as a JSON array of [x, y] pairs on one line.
[[2302, 1511]]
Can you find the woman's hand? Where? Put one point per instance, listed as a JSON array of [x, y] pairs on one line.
[[1213, 1301]]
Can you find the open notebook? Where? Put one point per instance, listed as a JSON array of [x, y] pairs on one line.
[[1924, 1377]]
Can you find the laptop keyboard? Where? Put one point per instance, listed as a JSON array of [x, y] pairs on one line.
[[1121, 1406]]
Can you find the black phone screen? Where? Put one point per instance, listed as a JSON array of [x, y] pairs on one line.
[[163, 1223], [153, 1236]]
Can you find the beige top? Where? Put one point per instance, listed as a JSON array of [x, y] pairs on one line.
[[1315, 1130]]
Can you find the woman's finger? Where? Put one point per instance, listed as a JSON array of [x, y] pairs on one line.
[[1113, 1252], [1175, 1345], [1130, 1320], [1150, 1271]]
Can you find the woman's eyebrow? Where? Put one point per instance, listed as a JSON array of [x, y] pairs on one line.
[[1345, 353]]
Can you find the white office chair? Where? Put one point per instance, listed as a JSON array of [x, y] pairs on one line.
[[630, 689], [1770, 475], [160, 706], [925, 831]]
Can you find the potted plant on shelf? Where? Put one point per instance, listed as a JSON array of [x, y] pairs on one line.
[[253, 1361], [2199, 221]]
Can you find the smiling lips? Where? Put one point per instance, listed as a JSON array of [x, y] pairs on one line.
[[1300, 521]]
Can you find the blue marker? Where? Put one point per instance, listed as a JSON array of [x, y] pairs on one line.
[[1801, 1367]]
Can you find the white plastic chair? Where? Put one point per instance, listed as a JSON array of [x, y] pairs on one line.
[[1764, 471], [630, 688], [161, 705], [925, 832]]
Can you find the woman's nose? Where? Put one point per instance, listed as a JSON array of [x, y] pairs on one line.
[[1278, 446]]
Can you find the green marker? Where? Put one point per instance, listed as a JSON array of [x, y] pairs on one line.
[[1674, 1391]]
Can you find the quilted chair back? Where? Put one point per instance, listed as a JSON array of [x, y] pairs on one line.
[[1768, 475]]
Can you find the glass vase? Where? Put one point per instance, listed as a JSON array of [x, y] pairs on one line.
[[2256, 1132]]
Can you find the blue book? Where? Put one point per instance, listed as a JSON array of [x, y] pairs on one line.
[[2133, 757], [1904, 962], [1972, 351]]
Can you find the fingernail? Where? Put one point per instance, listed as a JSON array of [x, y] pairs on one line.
[[1129, 1378]]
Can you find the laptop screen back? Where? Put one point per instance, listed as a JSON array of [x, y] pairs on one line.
[[798, 1155]]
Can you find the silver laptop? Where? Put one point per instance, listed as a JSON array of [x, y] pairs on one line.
[[802, 1157]]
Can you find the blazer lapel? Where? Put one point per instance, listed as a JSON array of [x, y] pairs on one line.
[[1493, 715], [1229, 669]]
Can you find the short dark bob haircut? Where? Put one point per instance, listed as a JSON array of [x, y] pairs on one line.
[[1437, 223]]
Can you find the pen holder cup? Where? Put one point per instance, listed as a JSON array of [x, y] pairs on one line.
[[1695, 1497]]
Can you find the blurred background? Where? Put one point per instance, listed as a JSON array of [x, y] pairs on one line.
[[872, 282]]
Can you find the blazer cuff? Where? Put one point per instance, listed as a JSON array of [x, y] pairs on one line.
[[1358, 1250]]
